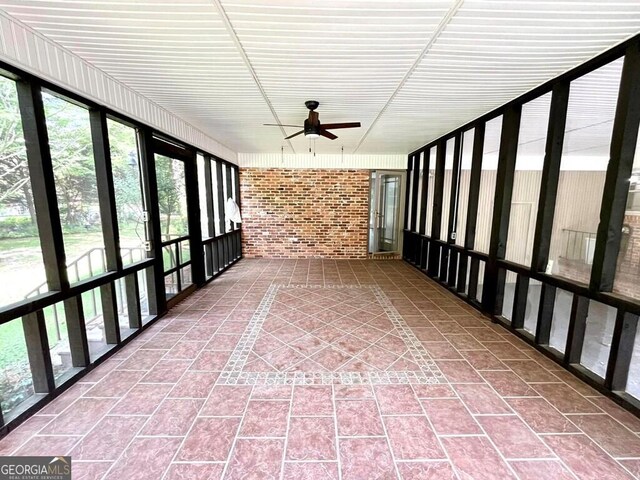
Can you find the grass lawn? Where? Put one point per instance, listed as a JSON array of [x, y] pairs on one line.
[[21, 270], [12, 337], [21, 267]]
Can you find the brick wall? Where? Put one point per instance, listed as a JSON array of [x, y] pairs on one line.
[[627, 278], [304, 213]]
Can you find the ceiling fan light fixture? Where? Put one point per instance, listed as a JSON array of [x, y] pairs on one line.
[[311, 130]]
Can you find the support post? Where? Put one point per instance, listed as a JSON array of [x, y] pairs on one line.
[[624, 334], [155, 275], [106, 190], [132, 290], [43, 184], [438, 188], [494, 277], [35, 337], [77, 331], [550, 176]]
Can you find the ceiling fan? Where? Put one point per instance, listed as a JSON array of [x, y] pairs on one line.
[[312, 128]]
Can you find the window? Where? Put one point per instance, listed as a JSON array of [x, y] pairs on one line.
[[172, 197], [480, 281], [487, 184], [16, 384], [433, 152], [217, 208], [75, 179], [127, 184], [464, 185], [446, 195], [235, 194], [509, 294], [226, 193], [202, 195], [527, 178], [21, 264], [420, 169], [533, 305], [560, 320], [585, 155]]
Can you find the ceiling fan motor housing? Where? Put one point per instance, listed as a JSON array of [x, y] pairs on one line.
[[312, 104], [311, 127]]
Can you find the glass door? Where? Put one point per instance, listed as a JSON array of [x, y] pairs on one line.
[[385, 228], [174, 224]]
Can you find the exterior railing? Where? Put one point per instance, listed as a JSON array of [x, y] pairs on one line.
[[578, 246]]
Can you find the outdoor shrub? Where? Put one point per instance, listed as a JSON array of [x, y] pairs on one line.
[[17, 227]]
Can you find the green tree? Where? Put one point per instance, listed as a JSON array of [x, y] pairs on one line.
[[71, 148], [168, 177], [15, 187]]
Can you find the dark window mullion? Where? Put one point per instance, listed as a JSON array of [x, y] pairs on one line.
[[414, 194], [77, 331], [422, 225], [43, 184], [110, 313], [455, 185], [438, 189], [494, 278], [208, 185], [155, 275], [474, 185], [408, 199], [106, 191], [133, 300], [196, 253], [520, 302], [453, 209], [220, 193], [545, 314], [624, 334], [462, 273], [37, 343], [550, 176], [577, 329], [229, 192], [237, 185]]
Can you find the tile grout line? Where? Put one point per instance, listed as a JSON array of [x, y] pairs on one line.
[[287, 433], [335, 427]]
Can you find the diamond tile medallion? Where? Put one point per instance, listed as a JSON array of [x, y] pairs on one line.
[[319, 335]]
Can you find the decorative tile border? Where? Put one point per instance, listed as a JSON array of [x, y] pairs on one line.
[[234, 374]]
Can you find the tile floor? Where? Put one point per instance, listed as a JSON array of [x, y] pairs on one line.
[[331, 370]]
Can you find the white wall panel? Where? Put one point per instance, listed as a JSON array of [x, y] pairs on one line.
[[369, 162]]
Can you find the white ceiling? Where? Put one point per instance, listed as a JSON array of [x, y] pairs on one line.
[[409, 70]]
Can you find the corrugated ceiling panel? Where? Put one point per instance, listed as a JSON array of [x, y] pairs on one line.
[[409, 70], [491, 52]]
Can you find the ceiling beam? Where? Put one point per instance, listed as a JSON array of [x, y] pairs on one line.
[[245, 58], [439, 29]]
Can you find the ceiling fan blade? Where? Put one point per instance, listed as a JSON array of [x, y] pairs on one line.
[[329, 135], [294, 135], [279, 125], [333, 126]]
